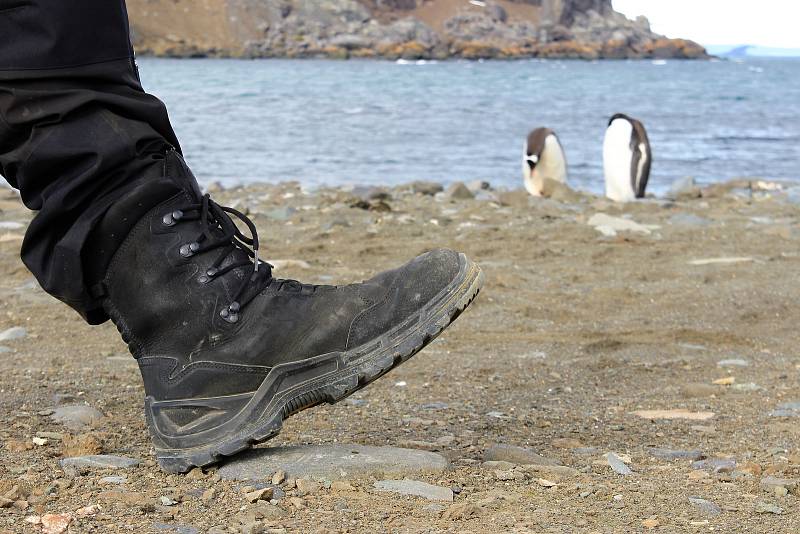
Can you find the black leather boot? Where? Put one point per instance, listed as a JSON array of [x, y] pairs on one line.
[[226, 351]]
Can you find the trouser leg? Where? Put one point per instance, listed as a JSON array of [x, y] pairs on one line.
[[77, 131]]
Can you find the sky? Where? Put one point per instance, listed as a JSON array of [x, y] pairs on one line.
[[768, 23]]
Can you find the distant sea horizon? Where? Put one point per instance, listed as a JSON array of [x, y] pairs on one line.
[[367, 122]]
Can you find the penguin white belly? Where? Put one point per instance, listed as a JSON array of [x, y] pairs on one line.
[[551, 166], [617, 158]]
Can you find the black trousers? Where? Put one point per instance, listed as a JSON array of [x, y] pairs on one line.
[[77, 130]]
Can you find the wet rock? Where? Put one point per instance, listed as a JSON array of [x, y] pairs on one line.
[[458, 191], [100, 461], [618, 465], [516, 455], [788, 409], [427, 188], [416, 488], [705, 506], [330, 462], [13, 334], [675, 454], [716, 465], [76, 416]]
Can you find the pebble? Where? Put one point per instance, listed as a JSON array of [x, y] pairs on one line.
[[516, 455], [675, 454], [100, 461], [733, 363], [749, 386], [674, 414], [618, 465], [427, 188], [308, 486], [705, 506], [788, 409], [416, 488], [167, 501], [716, 465], [332, 462], [5, 350], [113, 480], [13, 334], [688, 219], [76, 416], [781, 486], [279, 477], [55, 523], [610, 226], [458, 191], [567, 443], [768, 508]]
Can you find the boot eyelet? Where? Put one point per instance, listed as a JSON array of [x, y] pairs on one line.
[[188, 250], [204, 279], [229, 315], [171, 218]]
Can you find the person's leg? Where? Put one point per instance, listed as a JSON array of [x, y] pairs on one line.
[[76, 129], [226, 351]]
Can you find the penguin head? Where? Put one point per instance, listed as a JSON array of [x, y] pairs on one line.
[[619, 116], [532, 160]]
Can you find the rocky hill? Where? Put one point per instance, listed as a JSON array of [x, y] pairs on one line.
[[410, 29]]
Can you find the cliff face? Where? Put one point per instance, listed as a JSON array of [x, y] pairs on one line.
[[410, 29]]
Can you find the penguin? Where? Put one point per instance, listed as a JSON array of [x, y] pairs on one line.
[[543, 158], [626, 159]]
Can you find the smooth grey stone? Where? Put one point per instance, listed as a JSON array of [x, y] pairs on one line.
[[478, 185], [688, 219], [675, 454], [114, 480], [13, 334], [789, 409], [435, 406], [737, 362], [707, 507], [178, 529], [280, 214], [416, 488], [768, 508], [716, 465], [100, 461], [618, 465], [516, 455], [76, 416], [332, 462]]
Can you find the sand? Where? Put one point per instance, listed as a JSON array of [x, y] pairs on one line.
[[584, 342]]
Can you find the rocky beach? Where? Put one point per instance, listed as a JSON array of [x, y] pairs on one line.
[[398, 29], [627, 368]]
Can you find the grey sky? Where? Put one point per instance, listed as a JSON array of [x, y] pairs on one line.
[[770, 23]]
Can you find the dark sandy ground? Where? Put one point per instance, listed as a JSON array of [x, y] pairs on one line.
[[574, 334]]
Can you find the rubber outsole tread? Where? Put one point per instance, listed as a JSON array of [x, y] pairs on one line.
[[331, 392]]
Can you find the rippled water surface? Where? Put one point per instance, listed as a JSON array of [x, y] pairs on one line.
[[372, 122]]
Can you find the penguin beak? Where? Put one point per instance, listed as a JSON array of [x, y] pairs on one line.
[[532, 161]]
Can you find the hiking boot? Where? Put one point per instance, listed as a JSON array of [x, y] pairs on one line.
[[227, 351]]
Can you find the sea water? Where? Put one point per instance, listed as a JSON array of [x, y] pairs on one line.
[[381, 122]]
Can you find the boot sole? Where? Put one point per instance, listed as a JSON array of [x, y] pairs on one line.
[[329, 378]]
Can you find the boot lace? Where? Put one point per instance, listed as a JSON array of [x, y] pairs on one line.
[[221, 233]]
